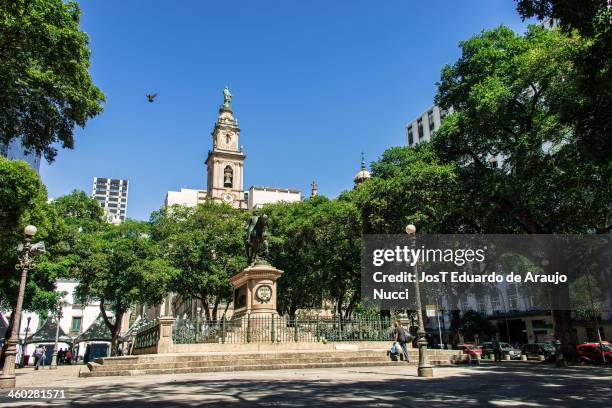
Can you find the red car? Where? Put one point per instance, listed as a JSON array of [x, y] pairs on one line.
[[594, 352], [471, 350]]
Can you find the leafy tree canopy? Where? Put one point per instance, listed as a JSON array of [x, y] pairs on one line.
[[508, 93], [121, 266], [206, 245], [23, 201], [45, 86]]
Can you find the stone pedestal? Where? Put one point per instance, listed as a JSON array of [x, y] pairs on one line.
[[255, 291]]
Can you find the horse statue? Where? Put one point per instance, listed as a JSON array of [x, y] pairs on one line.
[[256, 239]]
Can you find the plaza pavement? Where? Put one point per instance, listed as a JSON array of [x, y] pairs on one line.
[[508, 384]]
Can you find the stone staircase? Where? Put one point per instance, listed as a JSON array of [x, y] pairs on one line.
[[176, 363]]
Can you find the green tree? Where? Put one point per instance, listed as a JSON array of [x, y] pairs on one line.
[[589, 99], [293, 250], [338, 230], [476, 324], [317, 243], [507, 93], [120, 266], [45, 86], [410, 186], [23, 201], [206, 245]]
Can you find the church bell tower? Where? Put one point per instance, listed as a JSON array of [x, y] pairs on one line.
[[225, 162]]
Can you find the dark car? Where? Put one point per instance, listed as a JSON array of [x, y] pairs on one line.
[[507, 349], [540, 351], [594, 352]]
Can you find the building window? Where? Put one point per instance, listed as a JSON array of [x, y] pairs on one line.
[[75, 326], [430, 119], [420, 129], [410, 136]]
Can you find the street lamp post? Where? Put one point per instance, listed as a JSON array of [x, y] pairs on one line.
[[425, 369], [25, 262], [53, 365]]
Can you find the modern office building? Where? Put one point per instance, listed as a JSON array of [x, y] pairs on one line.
[[112, 194], [15, 151], [187, 197]]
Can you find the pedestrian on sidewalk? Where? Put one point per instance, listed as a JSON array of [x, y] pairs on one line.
[[497, 350], [38, 355], [401, 337]]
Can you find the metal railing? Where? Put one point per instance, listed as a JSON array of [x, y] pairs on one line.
[[147, 335], [279, 329]]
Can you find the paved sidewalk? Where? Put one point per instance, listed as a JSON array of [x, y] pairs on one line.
[[511, 384]]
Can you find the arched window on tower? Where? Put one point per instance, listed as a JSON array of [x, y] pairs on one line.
[[228, 176], [227, 139]]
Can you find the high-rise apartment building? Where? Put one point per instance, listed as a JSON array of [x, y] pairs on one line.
[[112, 194]]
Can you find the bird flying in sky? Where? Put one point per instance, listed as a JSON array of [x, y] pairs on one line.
[[151, 97]]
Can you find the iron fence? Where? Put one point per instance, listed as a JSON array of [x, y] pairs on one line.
[[280, 329], [148, 335]]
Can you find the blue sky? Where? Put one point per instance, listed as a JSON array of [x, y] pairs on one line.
[[314, 84]]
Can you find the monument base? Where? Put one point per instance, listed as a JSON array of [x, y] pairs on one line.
[[255, 290]]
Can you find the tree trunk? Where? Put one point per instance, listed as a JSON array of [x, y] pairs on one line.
[[455, 324], [291, 312], [565, 333], [214, 310], [116, 333], [115, 328], [206, 307]]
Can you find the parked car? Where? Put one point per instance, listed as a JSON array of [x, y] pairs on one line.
[[594, 352], [539, 350], [507, 349], [471, 350]]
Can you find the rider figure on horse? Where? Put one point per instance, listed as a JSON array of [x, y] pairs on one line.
[[256, 237]]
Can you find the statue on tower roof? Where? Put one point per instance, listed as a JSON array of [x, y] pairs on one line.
[[227, 97]]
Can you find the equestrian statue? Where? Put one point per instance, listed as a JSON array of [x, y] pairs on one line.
[[255, 238]]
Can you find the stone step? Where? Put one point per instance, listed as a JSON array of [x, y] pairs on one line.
[[246, 367], [146, 358], [235, 362]]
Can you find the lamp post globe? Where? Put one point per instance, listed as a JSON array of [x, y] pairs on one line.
[[30, 230], [411, 229]]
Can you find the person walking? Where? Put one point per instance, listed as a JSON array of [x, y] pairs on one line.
[[60, 356], [68, 356], [497, 350], [38, 354], [401, 337]]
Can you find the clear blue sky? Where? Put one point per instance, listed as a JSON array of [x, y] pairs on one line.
[[314, 84]]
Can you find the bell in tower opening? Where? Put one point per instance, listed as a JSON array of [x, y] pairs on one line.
[[228, 177]]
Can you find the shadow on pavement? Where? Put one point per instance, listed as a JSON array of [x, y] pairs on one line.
[[487, 385]]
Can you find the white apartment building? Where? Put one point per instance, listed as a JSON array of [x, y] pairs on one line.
[[259, 196], [112, 194], [421, 129], [186, 197]]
